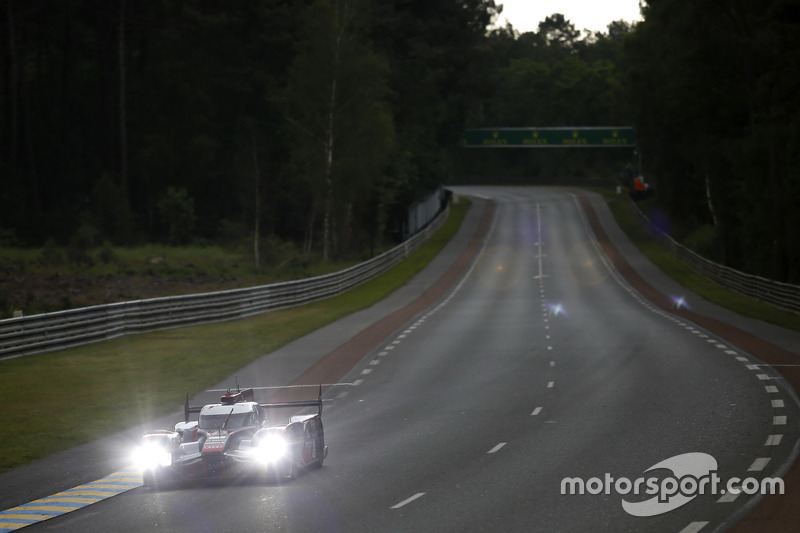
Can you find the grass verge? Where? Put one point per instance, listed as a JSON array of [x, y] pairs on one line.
[[58, 400], [713, 292]]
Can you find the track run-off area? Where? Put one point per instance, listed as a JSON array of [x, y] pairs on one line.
[[528, 353]]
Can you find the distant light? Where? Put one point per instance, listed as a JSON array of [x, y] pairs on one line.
[[679, 302]]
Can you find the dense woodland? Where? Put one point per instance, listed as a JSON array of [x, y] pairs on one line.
[[319, 122]]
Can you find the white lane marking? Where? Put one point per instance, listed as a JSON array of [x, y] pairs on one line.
[[731, 352], [358, 382], [751, 367], [742, 359], [497, 447], [382, 354], [366, 371], [759, 464], [536, 411], [773, 440], [762, 377], [771, 388], [550, 384], [341, 383], [552, 363], [539, 238], [374, 362], [728, 497], [694, 527], [777, 403], [779, 420], [407, 500], [721, 346]]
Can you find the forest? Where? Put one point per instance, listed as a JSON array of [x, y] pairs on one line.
[[319, 122]]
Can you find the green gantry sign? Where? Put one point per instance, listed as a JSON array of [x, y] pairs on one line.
[[604, 137]]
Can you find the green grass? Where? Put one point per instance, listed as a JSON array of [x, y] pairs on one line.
[[680, 272], [58, 400]]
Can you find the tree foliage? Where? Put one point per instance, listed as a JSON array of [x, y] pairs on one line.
[[175, 121], [714, 87]]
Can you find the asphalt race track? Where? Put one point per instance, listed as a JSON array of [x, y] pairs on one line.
[[538, 363]]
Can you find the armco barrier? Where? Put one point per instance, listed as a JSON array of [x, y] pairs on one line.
[[65, 329], [783, 295]]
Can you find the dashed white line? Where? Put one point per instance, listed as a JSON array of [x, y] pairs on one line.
[[779, 420], [536, 411], [762, 377], [777, 404], [694, 527], [408, 500], [759, 464], [728, 497], [366, 371], [773, 440], [497, 447], [357, 382], [550, 384]]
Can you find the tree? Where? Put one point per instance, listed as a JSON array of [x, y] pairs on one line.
[[337, 104]]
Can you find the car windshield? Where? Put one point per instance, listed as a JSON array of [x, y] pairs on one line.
[[236, 420]]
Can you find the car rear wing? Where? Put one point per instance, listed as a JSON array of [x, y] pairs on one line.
[[248, 395], [300, 403]]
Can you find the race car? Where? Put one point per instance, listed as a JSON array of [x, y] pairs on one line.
[[234, 437]]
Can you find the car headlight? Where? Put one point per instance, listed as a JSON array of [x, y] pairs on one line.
[[150, 457], [270, 449]]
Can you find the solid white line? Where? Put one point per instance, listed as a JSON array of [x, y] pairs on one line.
[[773, 440], [759, 464], [497, 448], [408, 500], [283, 387], [536, 411], [694, 527]]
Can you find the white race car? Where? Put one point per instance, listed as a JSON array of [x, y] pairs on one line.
[[234, 437]]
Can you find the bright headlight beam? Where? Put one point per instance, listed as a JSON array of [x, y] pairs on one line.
[[270, 449], [150, 457]]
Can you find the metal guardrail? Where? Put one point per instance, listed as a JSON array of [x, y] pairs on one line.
[[66, 329], [783, 295]]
